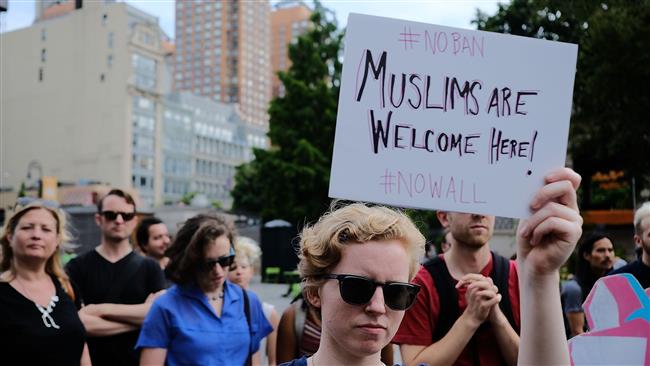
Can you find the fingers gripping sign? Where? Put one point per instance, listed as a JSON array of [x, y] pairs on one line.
[[546, 239]]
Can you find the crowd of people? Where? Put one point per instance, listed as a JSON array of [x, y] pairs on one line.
[[365, 287]]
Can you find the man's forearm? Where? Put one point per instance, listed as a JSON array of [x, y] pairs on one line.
[[507, 339], [447, 350], [99, 327], [131, 314]]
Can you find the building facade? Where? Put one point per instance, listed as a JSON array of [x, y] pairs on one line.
[[203, 143], [289, 20], [223, 52], [86, 95]]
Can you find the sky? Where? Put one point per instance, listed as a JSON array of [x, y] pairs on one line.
[[452, 13]]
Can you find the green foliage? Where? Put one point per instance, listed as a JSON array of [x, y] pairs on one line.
[[187, 197], [22, 192], [427, 223], [609, 127], [291, 180]]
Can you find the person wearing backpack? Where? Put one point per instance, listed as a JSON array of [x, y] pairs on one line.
[[469, 303], [116, 284]]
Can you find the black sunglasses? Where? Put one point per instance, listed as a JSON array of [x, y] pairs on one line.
[[358, 290], [225, 261], [112, 215]]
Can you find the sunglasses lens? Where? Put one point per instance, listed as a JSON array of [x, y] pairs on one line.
[[400, 296], [226, 262], [356, 291], [110, 215]]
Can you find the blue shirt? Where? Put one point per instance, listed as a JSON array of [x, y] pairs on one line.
[[183, 322]]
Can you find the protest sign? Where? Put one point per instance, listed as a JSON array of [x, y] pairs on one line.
[[442, 118], [618, 313]]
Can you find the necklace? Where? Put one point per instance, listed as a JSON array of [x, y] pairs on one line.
[[45, 311], [215, 297]]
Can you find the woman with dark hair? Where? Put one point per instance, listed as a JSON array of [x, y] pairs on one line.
[[203, 319], [594, 258]]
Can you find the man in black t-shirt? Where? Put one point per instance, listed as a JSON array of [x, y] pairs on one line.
[[640, 268], [116, 284]]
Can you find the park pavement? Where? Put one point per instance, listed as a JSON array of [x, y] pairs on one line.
[[271, 293]]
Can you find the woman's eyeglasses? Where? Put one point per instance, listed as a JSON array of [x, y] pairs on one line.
[[358, 290], [226, 262], [112, 215]]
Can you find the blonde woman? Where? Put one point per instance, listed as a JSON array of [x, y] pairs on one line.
[[247, 257], [356, 263], [37, 301]]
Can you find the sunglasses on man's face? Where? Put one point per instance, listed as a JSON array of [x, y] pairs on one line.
[[226, 262], [112, 215], [358, 290]]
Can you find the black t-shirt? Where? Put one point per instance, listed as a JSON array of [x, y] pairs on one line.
[[638, 270], [101, 281], [26, 339]]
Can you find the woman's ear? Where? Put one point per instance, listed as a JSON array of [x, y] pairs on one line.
[[313, 296]]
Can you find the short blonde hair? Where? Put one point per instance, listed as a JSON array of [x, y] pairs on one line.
[[640, 215], [322, 243], [247, 248]]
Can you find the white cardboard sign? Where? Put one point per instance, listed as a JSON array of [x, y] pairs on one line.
[[443, 118]]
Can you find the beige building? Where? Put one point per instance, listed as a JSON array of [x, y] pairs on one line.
[[223, 52], [289, 20], [81, 95]]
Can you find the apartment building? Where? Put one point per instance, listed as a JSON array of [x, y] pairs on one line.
[[289, 20], [223, 52]]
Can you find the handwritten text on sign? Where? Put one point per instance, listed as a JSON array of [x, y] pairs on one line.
[[442, 118]]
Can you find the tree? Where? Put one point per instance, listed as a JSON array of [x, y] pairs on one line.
[[290, 181], [609, 129]]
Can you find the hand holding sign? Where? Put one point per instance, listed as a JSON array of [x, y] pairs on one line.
[[443, 118]]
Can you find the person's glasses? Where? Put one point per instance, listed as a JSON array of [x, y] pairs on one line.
[[112, 215], [226, 262], [358, 290]]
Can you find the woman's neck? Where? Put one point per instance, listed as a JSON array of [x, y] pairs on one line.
[[331, 354], [29, 271]]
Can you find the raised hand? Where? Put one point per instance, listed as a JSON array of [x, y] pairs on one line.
[[546, 239]]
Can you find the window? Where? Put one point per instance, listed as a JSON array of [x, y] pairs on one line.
[[145, 71], [104, 19], [43, 55], [110, 39], [109, 61], [43, 34], [40, 74]]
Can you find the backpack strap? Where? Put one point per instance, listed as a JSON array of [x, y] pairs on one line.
[[247, 312], [299, 317], [447, 297], [500, 276]]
